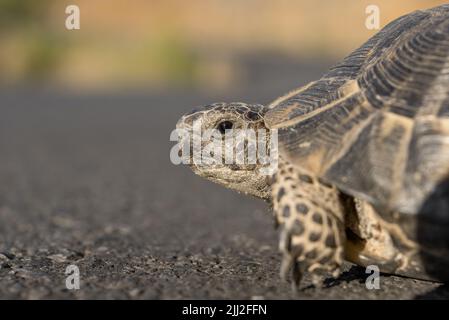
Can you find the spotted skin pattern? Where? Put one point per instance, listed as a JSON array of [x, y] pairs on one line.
[[311, 218]]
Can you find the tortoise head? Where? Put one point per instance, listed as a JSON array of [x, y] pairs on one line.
[[229, 144]]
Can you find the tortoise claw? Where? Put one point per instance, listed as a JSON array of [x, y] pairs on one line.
[[297, 276], [289, 262], [286, 265]]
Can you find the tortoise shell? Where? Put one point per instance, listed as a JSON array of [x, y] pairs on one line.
[[377, 124]]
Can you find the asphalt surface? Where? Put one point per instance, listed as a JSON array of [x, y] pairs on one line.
[[86, 180]]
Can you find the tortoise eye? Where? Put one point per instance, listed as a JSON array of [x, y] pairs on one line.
[[224, 125]]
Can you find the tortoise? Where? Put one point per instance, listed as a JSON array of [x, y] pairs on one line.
[[363, 156]]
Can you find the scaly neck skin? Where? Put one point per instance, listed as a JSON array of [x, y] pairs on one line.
[[260, 190]]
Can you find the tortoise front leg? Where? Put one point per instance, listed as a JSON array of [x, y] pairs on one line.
[[312, 223]]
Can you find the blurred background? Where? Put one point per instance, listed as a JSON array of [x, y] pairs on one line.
[[85, 121], [204, 44]]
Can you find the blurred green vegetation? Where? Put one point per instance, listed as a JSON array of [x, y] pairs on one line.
[[34, 49], [21, 12], [44, 52], [28, 36], [174, 58]]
